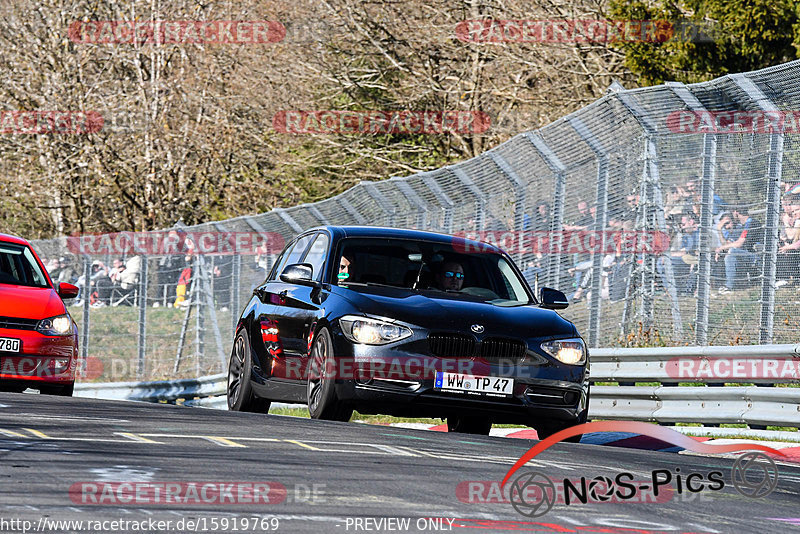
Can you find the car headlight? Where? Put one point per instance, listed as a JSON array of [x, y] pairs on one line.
[[570, 351], [372, 331], [60, 325]]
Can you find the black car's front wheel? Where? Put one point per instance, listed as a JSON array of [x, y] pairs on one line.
[[545, 429], [469, 425], [241, 397], [322, 400]]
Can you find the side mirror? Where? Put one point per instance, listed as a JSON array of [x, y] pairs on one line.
[[298, 273], [552, 299], [67, 291]]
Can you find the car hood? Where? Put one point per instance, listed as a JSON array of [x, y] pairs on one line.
[[446, 314], [29, 302]]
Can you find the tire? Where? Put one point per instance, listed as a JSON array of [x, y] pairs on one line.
[[545, 429], [469, 425], [12, 388], [61, 391], [241, 397], [320, 391]]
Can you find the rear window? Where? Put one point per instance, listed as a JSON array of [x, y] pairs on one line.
[[19, 267]]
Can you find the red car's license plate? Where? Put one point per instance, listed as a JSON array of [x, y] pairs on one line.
[[8, 344]]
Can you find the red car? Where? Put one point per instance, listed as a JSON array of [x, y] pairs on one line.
[[38, 338]]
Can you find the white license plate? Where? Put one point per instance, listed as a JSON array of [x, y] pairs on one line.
[[8, 344], [482, 385]]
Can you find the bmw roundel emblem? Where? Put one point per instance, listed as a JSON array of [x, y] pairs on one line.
[[477, 328]]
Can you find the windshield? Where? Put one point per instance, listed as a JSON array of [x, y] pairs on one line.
[[434, 269], [19, 267]]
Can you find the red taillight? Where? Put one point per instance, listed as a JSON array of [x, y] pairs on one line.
[[269, 334]]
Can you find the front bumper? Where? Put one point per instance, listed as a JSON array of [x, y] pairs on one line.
[[404, 386], [43, 359]]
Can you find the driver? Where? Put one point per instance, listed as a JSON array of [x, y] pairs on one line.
[[345, 269], [450, 276]]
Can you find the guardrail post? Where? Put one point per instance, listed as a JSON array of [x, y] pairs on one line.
[[142, 316], [601, 155], [480, 198], [706, 215], [772, 218], [654, 190], [559, 193]]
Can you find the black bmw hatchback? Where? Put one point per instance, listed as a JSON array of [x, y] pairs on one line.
[[408, 323]]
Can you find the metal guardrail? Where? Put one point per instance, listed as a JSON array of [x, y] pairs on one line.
[[653, 364], [751, 405], [167, 390]]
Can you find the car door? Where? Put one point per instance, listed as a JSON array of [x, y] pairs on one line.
[[292, 309]]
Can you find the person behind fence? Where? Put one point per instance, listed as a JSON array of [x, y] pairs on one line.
[[683, 255], [105, 284], [788, 261], [740, 256], [127, 282]]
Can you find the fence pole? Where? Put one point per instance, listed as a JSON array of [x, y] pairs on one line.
[[772, 217], [601, 156], [196, 300], [706, 216], [559, 194], [444, 201], [414, 199], [519, 201], [388, 208], [236, 268], [142, 317], [480, 198], [651, 168], [87, 295]]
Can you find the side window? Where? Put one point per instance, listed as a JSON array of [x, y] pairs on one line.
[[278, 266], [294, 254], [317, 254]]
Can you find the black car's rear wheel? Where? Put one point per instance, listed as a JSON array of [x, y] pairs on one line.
[[322, 400], [469, 425], [241, 397]]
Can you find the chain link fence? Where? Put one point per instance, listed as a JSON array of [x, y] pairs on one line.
[[664, 220]]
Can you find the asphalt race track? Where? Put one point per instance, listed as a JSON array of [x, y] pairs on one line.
[[325, 477]]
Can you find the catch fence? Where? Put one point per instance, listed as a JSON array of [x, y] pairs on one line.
[[623, 205]]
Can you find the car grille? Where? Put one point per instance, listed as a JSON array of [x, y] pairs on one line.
[[451, 345], [496, 350], [18, 324]]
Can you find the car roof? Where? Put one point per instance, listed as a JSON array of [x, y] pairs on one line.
[[403, 233], [13, 239]]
